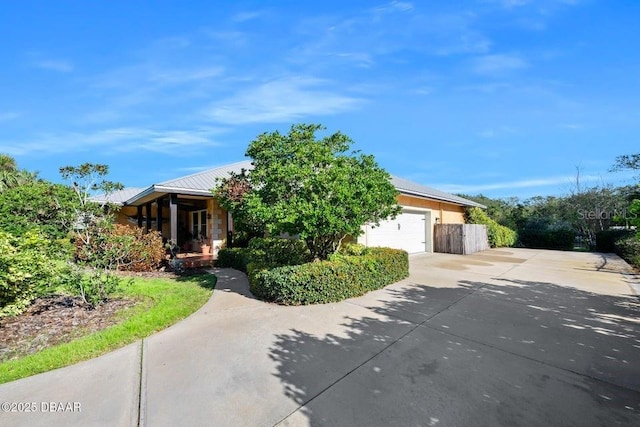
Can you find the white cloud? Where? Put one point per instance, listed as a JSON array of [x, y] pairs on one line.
[[572, 126], [514, 3], [392, 7], [497, 132], [119, 140], [187, 75], [527, 183], [246, 16], [54, 65], [7, 116], [424, 90], [282, 100], [498, 64]]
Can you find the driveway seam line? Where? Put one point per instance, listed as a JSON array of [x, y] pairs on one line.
[[531, 359], [142, 395]]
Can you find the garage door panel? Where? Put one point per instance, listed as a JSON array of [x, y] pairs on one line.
[[407, 231]]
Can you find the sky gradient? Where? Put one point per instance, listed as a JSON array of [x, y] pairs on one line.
[[504, 97]]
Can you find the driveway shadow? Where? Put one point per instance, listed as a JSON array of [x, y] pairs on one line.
[[501, 352]]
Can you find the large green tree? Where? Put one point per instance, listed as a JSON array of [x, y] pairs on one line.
[[310, 187]]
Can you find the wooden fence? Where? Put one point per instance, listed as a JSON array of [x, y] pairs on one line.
[[460, 238]]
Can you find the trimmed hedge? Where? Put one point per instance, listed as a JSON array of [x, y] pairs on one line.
[[341, 277], [278, 251], [268, 251]]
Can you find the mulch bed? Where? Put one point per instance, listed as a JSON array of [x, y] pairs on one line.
[[55, 320], [59, 319]]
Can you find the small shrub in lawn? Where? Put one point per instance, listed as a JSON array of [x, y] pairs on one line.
[[343, 276], [94, 287]]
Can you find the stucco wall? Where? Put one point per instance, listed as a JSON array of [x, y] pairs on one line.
[[447, 212]]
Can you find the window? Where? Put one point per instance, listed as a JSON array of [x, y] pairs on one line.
[[199, 224]]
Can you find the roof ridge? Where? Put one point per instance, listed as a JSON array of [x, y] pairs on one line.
[[227, 165], [435, 193]]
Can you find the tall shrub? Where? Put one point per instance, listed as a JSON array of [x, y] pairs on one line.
[[120, 247], [26, 271], [499, 235], [315, 188]]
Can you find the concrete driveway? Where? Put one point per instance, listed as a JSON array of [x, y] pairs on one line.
[[503, 337]]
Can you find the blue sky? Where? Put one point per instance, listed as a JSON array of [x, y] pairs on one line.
[[500, 97]]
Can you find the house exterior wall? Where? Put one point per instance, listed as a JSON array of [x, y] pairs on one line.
[[447, 212], [122, 217], [218, 226]]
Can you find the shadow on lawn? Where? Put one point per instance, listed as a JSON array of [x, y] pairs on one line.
[[510, 352], [201, 277]]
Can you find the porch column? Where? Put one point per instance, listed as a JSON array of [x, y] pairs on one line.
[[139, 218], [229, 230], [148, 209], [159, 215], [173, 216]]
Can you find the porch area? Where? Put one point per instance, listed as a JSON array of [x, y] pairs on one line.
[[197, 224], [195, 260]]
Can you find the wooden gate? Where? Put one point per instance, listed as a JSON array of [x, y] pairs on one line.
[[460, 238]]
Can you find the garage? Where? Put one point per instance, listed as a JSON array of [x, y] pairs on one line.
[[410, 231]]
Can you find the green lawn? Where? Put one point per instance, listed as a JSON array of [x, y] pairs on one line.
[[165, 302]]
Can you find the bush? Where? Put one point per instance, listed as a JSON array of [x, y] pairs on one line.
[[606, 240], [344, 276], [499, 235], [94, 287], [624, 243], [279, 252], [541, 234], [25, 270], [120, 247], [268, 252], [237, 258], [629, 250], [353, 249]]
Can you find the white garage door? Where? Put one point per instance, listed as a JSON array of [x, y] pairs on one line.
[[407, 231]]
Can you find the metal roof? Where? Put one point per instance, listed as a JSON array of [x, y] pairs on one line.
[[201, 183], [197, 184], [409, 187], [206, 180], [117, 197]]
